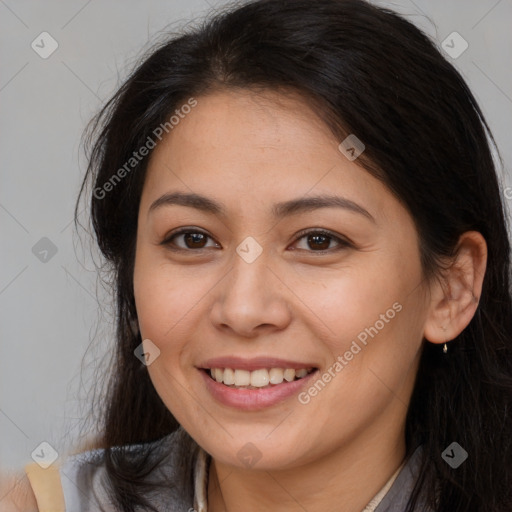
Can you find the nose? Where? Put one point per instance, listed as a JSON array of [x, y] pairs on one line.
[[251, 300]]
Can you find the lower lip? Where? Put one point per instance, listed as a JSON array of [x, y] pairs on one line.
[[254, 399]]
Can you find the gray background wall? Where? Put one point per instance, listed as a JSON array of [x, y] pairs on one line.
[[48, 288]]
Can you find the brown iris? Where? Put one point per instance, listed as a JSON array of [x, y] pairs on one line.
[[194, 240], [319, 240]]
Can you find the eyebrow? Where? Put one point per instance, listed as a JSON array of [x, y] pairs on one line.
[[279, 210]]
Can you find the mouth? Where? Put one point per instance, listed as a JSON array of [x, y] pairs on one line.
[[262, 378], [253, 384]]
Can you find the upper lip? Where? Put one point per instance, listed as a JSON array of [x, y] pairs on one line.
[[252, 364]]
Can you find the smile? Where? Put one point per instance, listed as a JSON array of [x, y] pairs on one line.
[[258, 379], [257, 388]]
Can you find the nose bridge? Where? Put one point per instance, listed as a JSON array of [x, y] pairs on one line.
[[249, 280], [249, 265], [251, 294]]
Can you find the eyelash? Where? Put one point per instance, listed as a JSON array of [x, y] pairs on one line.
[[342, 243]]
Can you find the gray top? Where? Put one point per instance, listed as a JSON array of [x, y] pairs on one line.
[[184, 472], [84, 478]]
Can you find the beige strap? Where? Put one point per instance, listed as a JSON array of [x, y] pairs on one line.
[[47, 487], [201, 481]]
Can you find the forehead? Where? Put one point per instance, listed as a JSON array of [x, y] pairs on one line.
[[248, 147], [247, 123]]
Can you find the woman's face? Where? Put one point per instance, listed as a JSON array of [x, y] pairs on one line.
[[295, 258]]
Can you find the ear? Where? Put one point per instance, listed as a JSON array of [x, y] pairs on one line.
[[454, 295]]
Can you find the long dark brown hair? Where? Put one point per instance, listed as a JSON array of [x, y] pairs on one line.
[[370, 72]]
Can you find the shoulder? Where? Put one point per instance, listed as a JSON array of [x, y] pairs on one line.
[[16, 493], [167, 462]]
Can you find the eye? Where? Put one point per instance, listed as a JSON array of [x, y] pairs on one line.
[[191, 239], [316, 240], [320, 241]]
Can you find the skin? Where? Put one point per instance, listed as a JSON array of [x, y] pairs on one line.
[[249, 151], [16, 494]]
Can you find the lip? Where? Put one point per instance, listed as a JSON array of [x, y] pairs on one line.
[[256, 363], [254, 399]]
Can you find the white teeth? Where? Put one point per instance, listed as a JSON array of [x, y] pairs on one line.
[[289, 374], [258, 378], [242, 377], [276, 375], [229, 376]]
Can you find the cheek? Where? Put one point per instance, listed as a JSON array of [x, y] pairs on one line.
[[165, 296], [371, 316], [349, 300]]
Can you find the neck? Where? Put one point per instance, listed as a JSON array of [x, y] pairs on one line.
[[351, 475]]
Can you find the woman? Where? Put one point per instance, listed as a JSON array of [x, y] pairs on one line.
[[301, 211]]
